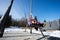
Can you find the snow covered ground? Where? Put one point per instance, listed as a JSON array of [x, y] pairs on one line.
[[19, 34], [50, 33]]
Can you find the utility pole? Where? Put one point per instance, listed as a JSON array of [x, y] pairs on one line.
[[4, 18], [30, 15]]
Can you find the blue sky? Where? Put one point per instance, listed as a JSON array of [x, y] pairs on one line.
[[43, 9]]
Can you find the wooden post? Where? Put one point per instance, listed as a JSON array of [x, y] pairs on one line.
[[31, 30], [4, 18], [25, 28], [59, 24]]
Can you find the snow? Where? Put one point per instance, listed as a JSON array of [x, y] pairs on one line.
[[20, 29], [54, 33], [13, 29]]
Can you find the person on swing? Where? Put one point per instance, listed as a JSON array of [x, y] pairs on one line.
[[37, 24]]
